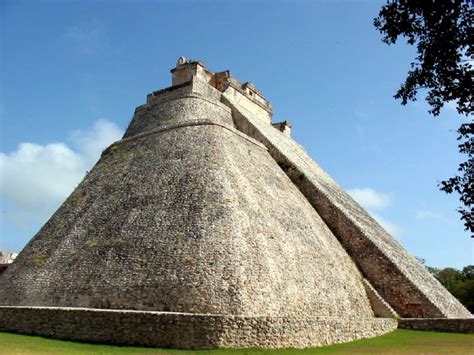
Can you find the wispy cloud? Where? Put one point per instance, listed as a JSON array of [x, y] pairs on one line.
[[370, 199], [373, 200], [390, 227], [425, 214], [92, 142], [36, 178], [88, 38]]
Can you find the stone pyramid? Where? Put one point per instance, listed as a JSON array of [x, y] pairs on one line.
[[208, 226]]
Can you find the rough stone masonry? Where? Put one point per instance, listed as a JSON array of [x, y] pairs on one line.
[[207, 226]]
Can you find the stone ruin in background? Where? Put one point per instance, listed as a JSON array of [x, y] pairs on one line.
[[208, 226], [6, 259]]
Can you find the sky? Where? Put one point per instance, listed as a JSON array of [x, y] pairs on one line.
[[72, 73]]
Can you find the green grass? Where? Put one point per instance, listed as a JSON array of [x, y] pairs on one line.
[[397, 342]]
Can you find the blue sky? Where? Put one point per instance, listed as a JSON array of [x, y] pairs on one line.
[[72, 73]]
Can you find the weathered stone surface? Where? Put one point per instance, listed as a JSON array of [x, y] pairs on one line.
[[190, 331], [380, 307], [187, 214], [396, 275], [192, 219], [218, 230], [454, 325]]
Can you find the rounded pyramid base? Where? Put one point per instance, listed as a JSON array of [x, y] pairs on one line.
[[186, 330]]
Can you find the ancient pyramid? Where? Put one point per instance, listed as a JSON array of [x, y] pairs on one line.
[[209, 226]]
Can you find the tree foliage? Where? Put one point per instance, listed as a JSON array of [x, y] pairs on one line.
[[442, 31], [463, 183], [459, 283]]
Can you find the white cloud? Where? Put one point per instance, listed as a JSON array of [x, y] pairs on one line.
[[34, 175], [370, 199], [36, 178], [390, 227], [91, 143]]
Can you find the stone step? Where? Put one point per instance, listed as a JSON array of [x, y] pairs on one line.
[[380, 307]]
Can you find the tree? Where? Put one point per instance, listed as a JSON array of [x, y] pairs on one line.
[[459, 283], [442, 31], [468, 272], [449, 277]]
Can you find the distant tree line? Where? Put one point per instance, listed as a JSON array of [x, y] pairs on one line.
[[460, 283]]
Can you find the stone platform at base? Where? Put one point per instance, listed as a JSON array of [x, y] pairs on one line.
[[186, 330], [452, 325]]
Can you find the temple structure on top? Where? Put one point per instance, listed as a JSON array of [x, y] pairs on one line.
[[208, 226], [6, 259]]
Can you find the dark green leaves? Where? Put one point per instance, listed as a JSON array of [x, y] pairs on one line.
[[442, 31]]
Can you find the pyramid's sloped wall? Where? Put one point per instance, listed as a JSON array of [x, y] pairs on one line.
[[191, 218], [398, 277]]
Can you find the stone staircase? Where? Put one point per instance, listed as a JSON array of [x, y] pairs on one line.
[[380, 307]]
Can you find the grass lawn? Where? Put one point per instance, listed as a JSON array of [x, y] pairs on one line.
[[397, 342]]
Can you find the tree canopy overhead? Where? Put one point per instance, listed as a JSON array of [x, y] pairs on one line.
[[442, 31], [443, 34]]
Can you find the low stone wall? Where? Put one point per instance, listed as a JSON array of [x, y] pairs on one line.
[[453, 325], [189, 331]]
